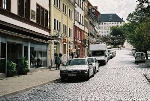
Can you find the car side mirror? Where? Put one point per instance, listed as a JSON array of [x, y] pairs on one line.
[[90, 63]]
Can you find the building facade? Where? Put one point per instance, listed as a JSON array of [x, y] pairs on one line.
[[107, 21], [93, 16], [86, 28], [62, 20], [24, 32], [79, 28]]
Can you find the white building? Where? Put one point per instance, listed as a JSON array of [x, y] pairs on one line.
[[107, 21], [24, 32]]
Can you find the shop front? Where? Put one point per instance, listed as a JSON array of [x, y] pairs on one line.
[[18, 43], [14, 49]]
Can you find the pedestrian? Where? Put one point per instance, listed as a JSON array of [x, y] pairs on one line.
[[57, 62]]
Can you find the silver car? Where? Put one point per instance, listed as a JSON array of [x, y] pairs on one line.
[[77, 67], [140, 57], [95, 63]]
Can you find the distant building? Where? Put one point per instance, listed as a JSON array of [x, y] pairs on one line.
[[107, 21]]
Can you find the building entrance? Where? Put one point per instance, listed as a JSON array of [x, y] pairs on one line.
[[14, 51]]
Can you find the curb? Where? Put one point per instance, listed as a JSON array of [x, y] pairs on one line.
[[26, 89], [147, 77]]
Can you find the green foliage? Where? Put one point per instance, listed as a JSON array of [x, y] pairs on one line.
[[116, 31], [141, 12], [137, 31], [23, 66], [117, 35], [139, 34], [11, 66]]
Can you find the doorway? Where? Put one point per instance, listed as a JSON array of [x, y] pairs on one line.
[[14, 51]]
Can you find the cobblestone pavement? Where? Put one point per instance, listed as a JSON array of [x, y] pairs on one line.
[[119, 80]]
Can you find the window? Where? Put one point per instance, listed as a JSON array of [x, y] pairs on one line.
[[70, 13], [46, 18], [86, 23], [41, 16], [5, 4], [24, 8], [76, 15], [80, 18], [64, 8], [79, 35], [82, 5], [70, 32], [57, 3], [54, 24], [64, 29], [57, 25]]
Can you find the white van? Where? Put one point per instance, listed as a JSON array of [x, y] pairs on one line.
[[140, 57], [100, 52]]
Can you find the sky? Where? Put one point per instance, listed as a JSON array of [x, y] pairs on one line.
[[121, 7]]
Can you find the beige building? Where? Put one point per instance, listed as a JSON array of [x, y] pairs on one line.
[[86, 26], [61, 26]]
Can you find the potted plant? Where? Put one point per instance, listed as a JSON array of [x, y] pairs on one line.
[[23, 66], [11, 68]]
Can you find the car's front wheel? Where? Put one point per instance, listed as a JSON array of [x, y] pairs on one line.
[[87, 76], [63, 79]]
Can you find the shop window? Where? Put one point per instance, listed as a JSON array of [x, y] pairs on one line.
[[26, 50], [2, 55], [38, 55]]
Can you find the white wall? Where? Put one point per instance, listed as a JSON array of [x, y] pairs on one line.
[[105, 28], [14, 8], [82, 14]]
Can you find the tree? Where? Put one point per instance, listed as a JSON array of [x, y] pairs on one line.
[[141, 12], [139, 35], [117, 35], [137, 31]]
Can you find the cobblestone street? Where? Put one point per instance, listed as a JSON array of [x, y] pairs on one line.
[[119, 80]]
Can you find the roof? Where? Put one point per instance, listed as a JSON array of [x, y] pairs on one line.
[[110, 18]]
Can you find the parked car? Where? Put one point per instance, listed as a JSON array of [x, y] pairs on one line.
[[78, 67], [139, 57], [111, 53], [133, 51], [95, 63]]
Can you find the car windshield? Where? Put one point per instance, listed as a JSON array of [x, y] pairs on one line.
[[91, 60], [139, 54], [68, 62], [97, 53], [78, 62]]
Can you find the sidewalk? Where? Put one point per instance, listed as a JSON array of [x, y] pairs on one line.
[[146, 65], [17, 84]]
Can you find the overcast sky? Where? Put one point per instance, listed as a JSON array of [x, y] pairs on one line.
[[121, 7]]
